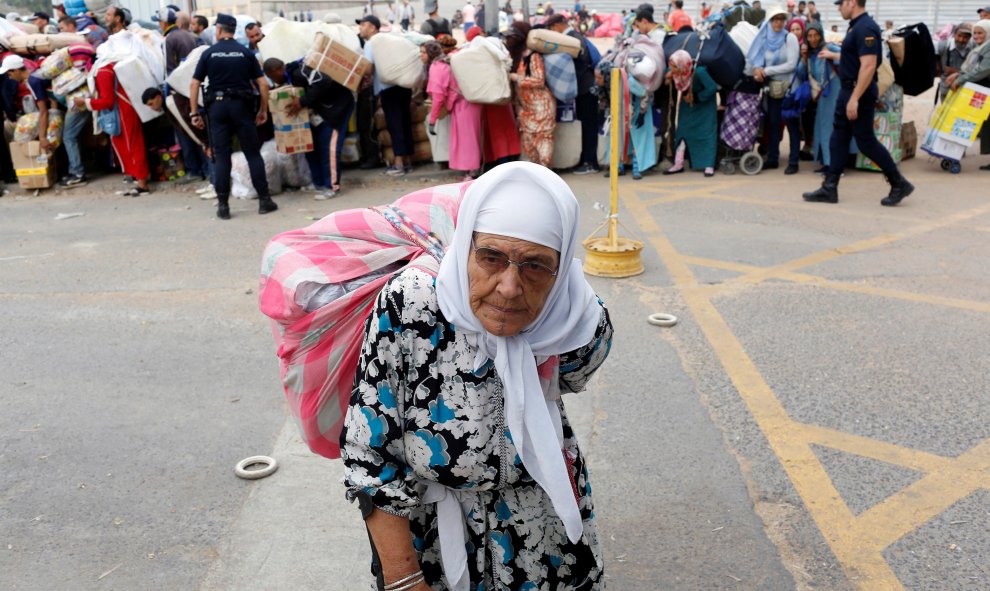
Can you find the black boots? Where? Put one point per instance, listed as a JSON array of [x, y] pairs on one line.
[[827, 193], [223, 209], [266, 205], [899, 189]]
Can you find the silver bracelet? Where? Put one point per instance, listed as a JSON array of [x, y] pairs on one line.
[[397, 585], [410, 585]]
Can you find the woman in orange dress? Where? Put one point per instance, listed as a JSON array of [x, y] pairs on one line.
[[536, 109]]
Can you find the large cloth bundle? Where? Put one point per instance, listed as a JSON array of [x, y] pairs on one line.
[[560, 75], [135, 77], [43, 44], [742, 120], [290, 40], [916, 70], [609, 25], [396, 60], [743, 35], [137, 67], [319, 284], [481, 69], [547, 41], [715, 50], [68, 81], [53, 65], [181, 77], [77, 7]]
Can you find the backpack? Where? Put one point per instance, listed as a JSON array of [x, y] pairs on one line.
[[319, 285]]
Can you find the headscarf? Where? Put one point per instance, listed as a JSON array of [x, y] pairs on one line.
[[985, 25], [447, 42], [980, 52], [804, 27], [817, 26], [472, 32], [684, 74], [567, 321], [766, 39]]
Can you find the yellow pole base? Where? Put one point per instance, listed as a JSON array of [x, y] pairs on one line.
[[605, 260]]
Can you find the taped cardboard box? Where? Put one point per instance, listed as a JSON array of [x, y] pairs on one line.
[[334, 59], [293, 134], [33, 166]]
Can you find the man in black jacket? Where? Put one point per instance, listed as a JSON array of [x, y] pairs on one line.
[[587, 100], [331, 105]]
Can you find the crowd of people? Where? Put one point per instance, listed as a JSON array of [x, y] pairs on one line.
[[677, 109]]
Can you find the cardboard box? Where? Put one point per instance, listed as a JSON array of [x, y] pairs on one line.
[[963, 112], [909, 140], [33, 166], [943, 146], [340, 63], [293, 134]]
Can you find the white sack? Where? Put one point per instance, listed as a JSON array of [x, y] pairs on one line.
[[396, 60], [481, 69]]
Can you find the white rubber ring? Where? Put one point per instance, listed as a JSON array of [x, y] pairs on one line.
[[242, 472], [660, 319]]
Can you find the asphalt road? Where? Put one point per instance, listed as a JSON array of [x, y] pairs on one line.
[[816, 420]]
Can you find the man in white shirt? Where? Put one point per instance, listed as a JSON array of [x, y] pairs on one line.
[[468, 14]]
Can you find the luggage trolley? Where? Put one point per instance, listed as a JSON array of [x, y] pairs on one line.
[[740, 129], [956, 124]]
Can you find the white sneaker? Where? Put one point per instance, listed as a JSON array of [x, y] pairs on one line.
[[211, 194], [328, 194], [311, 189], [207, 188]]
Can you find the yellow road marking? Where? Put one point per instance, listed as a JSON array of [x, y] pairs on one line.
[[817, 258], [900, 514], [865, 566], [876, 450], [974, 305]]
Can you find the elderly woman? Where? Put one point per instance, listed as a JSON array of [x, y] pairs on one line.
[[465, 117], [820, 67], [456, 443], [976, 69], [697, 120], [536, 108], [773, 59]]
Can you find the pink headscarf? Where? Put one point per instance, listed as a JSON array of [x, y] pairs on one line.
[[682, 69], [804, 27]]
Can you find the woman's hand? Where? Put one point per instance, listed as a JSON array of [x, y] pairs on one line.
[[79, 102], [826, 54], [759, 74], [197, 120], [513, 77], [952, 80]]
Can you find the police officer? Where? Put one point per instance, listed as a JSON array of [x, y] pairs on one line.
[[858, 61], [230, 107]]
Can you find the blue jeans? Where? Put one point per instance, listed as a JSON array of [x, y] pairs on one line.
[[775, 118], [319, 157], [193, 157], [75, 124]]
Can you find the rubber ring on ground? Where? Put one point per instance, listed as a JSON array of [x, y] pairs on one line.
[[242, 472], [660, 319]]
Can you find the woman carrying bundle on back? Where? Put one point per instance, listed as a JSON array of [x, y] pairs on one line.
[[697, 121], [465, 117], [536, 108]]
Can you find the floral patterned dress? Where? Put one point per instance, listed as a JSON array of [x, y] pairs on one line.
[[420, 413], [536, 109]]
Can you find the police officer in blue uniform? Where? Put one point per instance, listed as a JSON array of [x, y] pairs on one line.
[[858, 62], [234, 75]]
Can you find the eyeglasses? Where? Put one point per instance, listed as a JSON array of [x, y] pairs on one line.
[[494, 262]]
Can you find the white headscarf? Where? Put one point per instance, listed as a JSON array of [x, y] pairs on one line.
[[570, 315]]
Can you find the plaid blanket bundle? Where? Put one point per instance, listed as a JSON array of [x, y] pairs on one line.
[[742, 120], [319, 350], [561, 78]]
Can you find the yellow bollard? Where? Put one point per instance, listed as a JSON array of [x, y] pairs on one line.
[[613, 255]]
